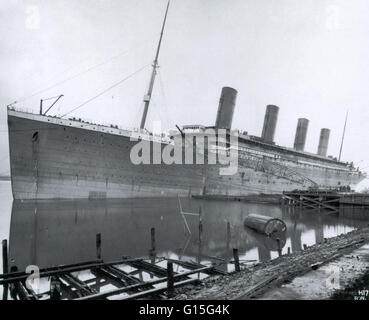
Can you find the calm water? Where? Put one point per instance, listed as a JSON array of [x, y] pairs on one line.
[[48, 233]]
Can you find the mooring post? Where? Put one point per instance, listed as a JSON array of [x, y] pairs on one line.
[[5, 267], [228, 234], [152, 252], [236, 260], [13, 287], [153, 244], [98, 246], [55, 288], [170, 280], [200, 226], [279, 246]]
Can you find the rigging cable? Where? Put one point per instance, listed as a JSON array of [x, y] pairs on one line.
[[78, 74], [166, 109], [106, 90]]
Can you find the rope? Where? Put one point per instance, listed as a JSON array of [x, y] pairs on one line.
[[78, 74], [106, 90], [166, 109]]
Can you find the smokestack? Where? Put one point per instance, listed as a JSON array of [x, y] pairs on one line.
[[270, 123], [227, 103], [301, 131], [323, 142]]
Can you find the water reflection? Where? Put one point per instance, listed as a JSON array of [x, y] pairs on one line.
[[49, 233]]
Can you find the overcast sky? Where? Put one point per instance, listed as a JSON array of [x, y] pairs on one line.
[[309, 57]]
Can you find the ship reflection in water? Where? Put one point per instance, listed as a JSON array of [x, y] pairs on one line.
[[47, 233]]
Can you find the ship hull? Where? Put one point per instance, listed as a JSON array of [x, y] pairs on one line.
[[53, 158]]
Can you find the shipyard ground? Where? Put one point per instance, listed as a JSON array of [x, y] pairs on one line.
[[300, 275]]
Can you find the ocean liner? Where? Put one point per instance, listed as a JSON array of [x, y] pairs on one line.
[[67, 158]]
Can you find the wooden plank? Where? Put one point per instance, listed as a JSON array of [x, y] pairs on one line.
[[8, 278], [67, 292], [193, 266], [351, 244], [255, 288], [152, 282], [120, 279], [314, 199], [114, 280], [314, 204], [148, 267], [320, 203], [78, 284], [122, 274], [32, 293], [332, 200], [22, 292], [60, 267], [158, 290]]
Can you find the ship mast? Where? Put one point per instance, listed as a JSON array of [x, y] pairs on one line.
[[155, 65], [343, 136]]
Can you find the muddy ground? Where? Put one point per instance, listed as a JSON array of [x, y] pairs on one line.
[[328, 281], [256, 281]]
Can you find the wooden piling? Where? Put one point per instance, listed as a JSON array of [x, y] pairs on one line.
[[5, 267], [170, 280], [13, 288], [279, 247], [228, 234], [200, 231], [200, 225], [153, 242], [236, 260], [152, 252], [55, 288], [64, 284], [98, 246]]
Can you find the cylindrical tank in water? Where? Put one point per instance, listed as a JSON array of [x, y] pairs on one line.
[[264, 224]]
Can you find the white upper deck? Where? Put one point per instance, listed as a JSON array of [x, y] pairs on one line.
[[81, 124]]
